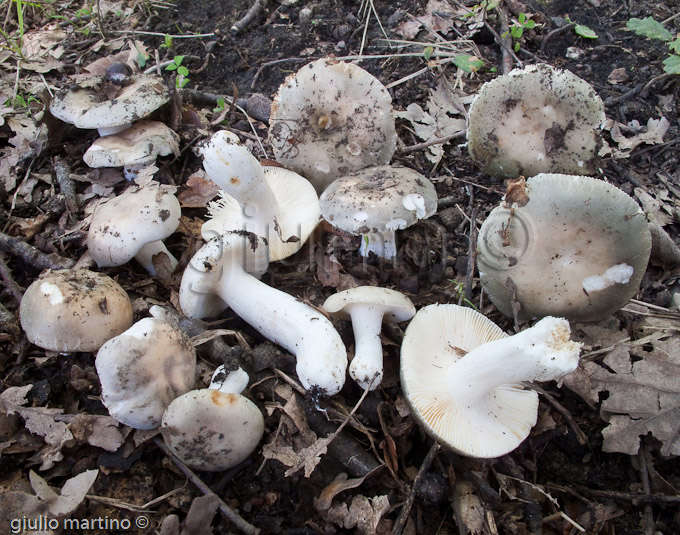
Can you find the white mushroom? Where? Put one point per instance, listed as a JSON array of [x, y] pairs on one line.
[[368, 307], [574, 247], [272, 202], [219, 276], [143, 369], [535, 120], [74, 310], [87, 106], [460, 374], [133, 148], [376, 202], [133, 224], [329, 119], [214, 428]]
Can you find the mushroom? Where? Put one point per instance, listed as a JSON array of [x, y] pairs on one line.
[[213, 428], [377, 201], [331, 118], [368, 307], [133, 148], [133, 224], [271, 202], [219, 276], [89, 106], [74, 310], [535, 120], [460, 375], [143, 369], [574, 247]]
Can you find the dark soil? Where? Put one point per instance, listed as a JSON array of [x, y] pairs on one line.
[[520, 493]]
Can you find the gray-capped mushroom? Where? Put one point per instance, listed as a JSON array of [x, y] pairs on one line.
[[74, 310], [329, 119], [376, 202], [535, 120]]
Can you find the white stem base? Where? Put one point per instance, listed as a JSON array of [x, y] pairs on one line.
[[383, 244], [146, 254], [367, 364]]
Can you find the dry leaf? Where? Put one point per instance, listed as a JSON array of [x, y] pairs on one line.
[[99, 431], [200, 516], [72, 493], [653, 135], [338, 485], [200, 190], [363, 513], [439, 16], [469, 509]]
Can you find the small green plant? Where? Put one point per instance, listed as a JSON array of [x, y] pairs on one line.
[[584, 31], [517, 29], [182, 78], [652, 29], [459, 290], [219, 107], [468, 63], [167, 41]]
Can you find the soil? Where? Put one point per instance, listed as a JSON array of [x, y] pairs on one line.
[[550, 483]]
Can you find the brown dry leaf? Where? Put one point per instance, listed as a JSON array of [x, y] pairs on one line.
[[652, 135], [72, 493], [439, 16], [42, 49], [363, 513], [644, 393], [200, 190], [469, 509], [618, 76], [200, 516], [96, 430]]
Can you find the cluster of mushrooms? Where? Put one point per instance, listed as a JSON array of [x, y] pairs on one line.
[[332, 130]]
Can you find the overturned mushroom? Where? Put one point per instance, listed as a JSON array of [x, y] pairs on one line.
[[575, 247], [331, 118], [535, 120], [376, 202], [461, 376]]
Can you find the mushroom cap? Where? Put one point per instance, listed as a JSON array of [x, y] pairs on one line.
[[143, 369], [138, 145], [88, 107], [122, 225], [197, 295], [577, 249], [211, 430], [329, 119], [535, 120], [378, 199], [437, 336], [297, 215], [394, 306], [74, 310]]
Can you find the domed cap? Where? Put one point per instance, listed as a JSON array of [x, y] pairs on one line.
[[578, 249], [329, 119], [461, 376], [378, 201], [74, 310], [535, 120]]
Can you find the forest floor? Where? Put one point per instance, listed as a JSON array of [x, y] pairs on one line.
[[600, 460]]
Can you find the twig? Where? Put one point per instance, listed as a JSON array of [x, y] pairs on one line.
[[10, 283], [648, 514], [580, 436], [430, 142], [550, 35], [236, 519], [406, 508], [67, 186], [248, 18], [505, 41], [33, 256], [472, 255]]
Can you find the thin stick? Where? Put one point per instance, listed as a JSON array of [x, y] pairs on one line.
[[33, 256], [430, 142], [236, 519], [248, 18], [10, 283], [406, 508]]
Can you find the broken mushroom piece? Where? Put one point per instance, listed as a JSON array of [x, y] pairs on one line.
[[460, 374], [272, 202], [576, 247], [143, 369], [535, 120], [376, 202], [369, 307], [89, 106], [219, 275], [74, 310], [133, 224], [134, 148], [213, 428], [329, 119]]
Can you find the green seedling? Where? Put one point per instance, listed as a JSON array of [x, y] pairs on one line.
[[182, 78], [167, 42], [468, 63], [459, 290], [652, 29], [219, 107], [517, 29]]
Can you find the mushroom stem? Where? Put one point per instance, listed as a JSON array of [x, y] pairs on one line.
[[540, 353], [383, 244], [147, 252], [368, 354]]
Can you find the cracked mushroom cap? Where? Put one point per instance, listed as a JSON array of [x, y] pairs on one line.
[[74, 310], [329, 119], [212, 430], [137, 146], [577, 249], [461, 374], [143, 369], [535, 120], [123, 225], [87, 106]]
